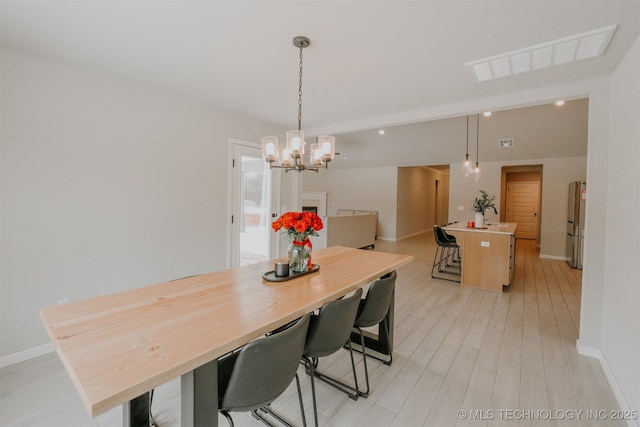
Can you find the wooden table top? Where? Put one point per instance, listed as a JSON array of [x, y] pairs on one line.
[[117, 347]]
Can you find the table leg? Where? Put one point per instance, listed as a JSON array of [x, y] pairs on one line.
[[199, 396], [136, 412]]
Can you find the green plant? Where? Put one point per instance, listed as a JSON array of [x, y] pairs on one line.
[[480, 205]]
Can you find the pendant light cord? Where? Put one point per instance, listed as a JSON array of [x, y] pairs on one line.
[[467, 136], [477, 138]]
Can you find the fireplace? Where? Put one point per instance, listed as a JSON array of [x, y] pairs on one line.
[[315, 201]]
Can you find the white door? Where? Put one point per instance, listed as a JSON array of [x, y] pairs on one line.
[[254, 193]]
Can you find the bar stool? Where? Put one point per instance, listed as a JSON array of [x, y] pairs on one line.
[[446, 258]]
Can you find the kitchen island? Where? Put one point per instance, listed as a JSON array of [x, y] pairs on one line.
[[488, 254]]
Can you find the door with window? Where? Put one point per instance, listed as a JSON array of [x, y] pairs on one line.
[[254, 195]]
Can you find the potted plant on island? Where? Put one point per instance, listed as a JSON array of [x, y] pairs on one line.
[[482, 204]]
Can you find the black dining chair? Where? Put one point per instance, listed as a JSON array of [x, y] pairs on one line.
[[254, 376], [329, 330], [372, 311]]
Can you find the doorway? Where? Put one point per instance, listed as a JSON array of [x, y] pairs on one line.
[[520, 199], [254, 194]]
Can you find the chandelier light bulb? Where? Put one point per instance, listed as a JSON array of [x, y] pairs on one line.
[[316, 155], [467, 169], [270, 148], [295, 142], [286, 158], [327, 147]]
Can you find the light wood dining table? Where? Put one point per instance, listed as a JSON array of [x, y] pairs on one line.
[[118, 347]]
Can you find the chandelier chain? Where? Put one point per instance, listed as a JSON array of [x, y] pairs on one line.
[[300, 92]]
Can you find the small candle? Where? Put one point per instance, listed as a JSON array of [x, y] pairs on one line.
[[282, 269]]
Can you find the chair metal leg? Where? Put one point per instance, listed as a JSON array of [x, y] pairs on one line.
[[267, 410], [365, 355], [304, 418], [152, 421], [258, 417], [436, 263], [228, 417], [350, 391], [364, 360], [442, 256], [308, 364]]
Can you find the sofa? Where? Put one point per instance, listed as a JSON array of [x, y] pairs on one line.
[[351, 228]]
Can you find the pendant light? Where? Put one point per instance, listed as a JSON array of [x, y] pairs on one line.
[[467, 169], [476, 171], [321, 152]]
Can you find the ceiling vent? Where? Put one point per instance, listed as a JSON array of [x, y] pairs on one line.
[[505, 143]]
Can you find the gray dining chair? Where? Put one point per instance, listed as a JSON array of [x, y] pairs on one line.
[[372, 311], [329, 330], [253, 377]]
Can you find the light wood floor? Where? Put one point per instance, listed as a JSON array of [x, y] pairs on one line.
[[502, 358]]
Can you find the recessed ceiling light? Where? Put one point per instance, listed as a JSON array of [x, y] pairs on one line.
[[381, 131], [487, 113], [557, 52], [559, 103]]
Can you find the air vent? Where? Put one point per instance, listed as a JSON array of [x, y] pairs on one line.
[[505, 143]]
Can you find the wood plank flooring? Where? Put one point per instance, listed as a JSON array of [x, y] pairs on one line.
[[500, 358]]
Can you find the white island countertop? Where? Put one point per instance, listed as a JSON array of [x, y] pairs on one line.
[[491, 227]]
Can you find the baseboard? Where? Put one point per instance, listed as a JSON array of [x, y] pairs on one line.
[[386, 239], [586, 350], [21, 356], [556, 257], [408, 236]]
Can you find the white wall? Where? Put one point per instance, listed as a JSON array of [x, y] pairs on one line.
[[366, 189], [106, 186], [556, 176], [620, 340]]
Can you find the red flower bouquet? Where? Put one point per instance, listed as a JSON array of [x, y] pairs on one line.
[[299, 226]]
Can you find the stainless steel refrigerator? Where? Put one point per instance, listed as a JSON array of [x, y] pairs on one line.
[[575, 223]]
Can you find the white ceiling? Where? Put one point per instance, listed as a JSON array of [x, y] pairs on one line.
[[368, 61]]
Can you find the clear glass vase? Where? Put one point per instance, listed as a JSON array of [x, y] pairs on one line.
[[299, 257]]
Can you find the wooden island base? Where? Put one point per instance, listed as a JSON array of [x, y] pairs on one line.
[[488, 254]]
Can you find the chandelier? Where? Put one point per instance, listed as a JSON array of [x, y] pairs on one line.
[[289, 156]]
